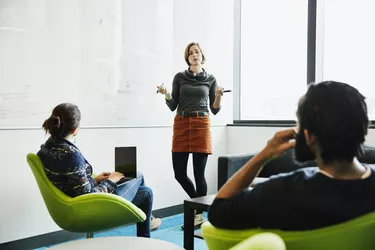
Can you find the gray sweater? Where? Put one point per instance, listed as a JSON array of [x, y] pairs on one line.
[[193, 92]]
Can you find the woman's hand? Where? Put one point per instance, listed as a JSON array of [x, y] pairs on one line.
[[115, 177], [162, 90], [219, 92], [102, 176]]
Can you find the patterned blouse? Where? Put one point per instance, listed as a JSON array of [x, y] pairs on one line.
[[68, 169]]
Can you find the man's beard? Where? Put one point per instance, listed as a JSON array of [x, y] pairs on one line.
[[302, 152]]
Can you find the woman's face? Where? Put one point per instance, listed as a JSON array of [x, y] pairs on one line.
[[195, 55]]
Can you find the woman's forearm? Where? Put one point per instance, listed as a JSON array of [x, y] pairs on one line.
[[217, 102]]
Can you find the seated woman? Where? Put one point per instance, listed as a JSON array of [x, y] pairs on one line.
[[68, 169]]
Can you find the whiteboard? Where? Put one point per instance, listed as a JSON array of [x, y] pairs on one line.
[[106, 56]]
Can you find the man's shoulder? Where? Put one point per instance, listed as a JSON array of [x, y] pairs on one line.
[[299, 174]]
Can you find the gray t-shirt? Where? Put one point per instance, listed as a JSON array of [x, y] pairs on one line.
[[193, 92]]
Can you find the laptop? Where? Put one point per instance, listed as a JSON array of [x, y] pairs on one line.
[[126, 163]]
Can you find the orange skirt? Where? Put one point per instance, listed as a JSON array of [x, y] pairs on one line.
[[192, 134]]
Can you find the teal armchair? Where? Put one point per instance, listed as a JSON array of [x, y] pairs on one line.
[[354, 234], [86, 213]]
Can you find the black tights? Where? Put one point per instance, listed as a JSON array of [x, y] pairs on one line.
[[180, 160]]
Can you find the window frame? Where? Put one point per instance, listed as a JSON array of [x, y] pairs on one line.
[[311, 66]]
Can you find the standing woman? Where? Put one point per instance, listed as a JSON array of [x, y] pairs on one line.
[[193, 91]]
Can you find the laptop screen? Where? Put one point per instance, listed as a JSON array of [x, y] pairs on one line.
[[126, 161]]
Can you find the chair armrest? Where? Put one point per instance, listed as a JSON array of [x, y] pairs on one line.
[[262, 241], [117, 203], [99, 211]]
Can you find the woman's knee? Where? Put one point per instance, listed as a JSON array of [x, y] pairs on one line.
[[146, 192], [200, 178], [140, 175], [180, 177]]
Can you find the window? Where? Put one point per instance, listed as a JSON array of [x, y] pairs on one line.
[[348, 46], [273, 58]]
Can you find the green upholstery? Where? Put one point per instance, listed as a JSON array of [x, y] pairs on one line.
[[262, 241], [354, 234], [86, 213]]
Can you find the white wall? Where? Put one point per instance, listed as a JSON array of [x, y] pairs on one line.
[[23, 213], [253, 139]]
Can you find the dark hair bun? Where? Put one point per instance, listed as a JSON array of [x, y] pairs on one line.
[[64, 120], [52, 125], [54, 121]]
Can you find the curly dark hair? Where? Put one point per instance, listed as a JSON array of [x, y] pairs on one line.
[[336, 113]]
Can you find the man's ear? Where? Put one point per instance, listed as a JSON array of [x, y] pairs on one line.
[[310, 138]]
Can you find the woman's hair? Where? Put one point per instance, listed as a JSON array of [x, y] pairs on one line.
[[63, 121], [187, 52]]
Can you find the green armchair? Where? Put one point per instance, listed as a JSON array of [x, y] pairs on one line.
[[354, 234], [86, 213], [262, 241]]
